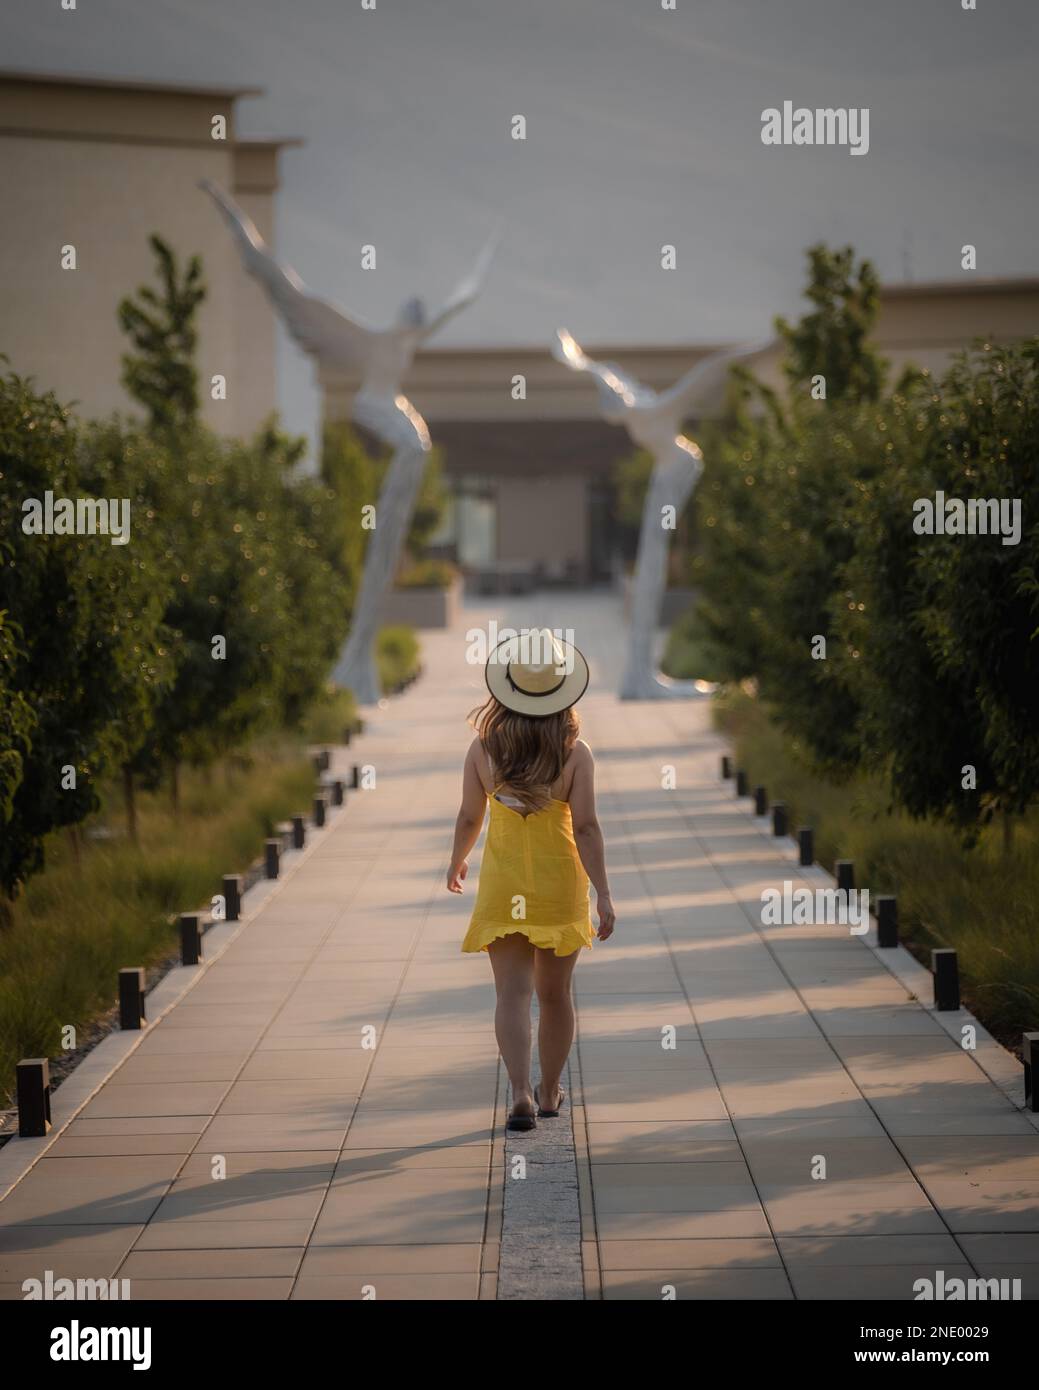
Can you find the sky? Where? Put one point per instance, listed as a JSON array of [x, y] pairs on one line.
[[643, 129]]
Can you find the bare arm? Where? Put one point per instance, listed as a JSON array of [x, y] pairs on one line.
[[469, 822], [588, 835]]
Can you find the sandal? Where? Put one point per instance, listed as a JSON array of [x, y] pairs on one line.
[[549, 1114], [521, 1122]]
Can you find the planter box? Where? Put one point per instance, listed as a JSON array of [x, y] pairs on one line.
[[490, 581], [421, 608]]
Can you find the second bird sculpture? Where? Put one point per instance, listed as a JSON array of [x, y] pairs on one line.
[[654, 419]]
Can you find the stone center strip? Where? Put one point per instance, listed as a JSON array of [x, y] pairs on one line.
[[541, 1225]]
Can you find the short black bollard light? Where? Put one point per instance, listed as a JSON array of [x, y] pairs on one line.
[[779, 820], [337, 792], [131, 997], [845, 873], [190, 938], [741, 783], [1030, 1057], [946, 979], [299, 831], [358, 725], [321, 761], [887, 921], [806, 845], [319, 810], [272, 857], [355, 777], [34, 1097], [726, 767], [232, 897], [760, 801], [348, 734]]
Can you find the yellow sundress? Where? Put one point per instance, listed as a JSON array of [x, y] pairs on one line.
[[531, 881]]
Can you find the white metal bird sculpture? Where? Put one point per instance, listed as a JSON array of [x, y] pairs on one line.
[[381, 357], [653, 419]]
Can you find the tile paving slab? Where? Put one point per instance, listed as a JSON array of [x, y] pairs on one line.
[[339, 1058]]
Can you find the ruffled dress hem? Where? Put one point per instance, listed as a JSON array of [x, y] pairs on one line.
[[563, 940]]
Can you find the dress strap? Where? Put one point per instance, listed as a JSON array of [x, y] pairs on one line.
[[495, 786]]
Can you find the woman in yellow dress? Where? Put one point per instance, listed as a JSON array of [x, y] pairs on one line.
[[543, 845]]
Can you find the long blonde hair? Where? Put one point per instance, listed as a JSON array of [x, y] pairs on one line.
[[527, 754]]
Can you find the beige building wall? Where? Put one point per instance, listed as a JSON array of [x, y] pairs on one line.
[[100, 166], [542, 520]]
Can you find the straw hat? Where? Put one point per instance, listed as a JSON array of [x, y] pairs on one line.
[[536, 673]]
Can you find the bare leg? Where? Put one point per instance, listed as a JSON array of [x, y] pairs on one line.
[[512, 960], [552, 979]]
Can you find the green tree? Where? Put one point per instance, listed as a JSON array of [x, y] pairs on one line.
[[17, 723], [941, 632], [160, 323], [778, 511], [832, 340], [316, 580], [231, 514], [256, 603], [91, 657], [732, 568]]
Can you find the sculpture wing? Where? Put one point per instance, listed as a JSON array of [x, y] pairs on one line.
[[700, 390], [468, 287], [319, 327], [618, 391]]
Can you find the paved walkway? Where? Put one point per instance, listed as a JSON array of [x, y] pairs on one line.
[[254, 1146]]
